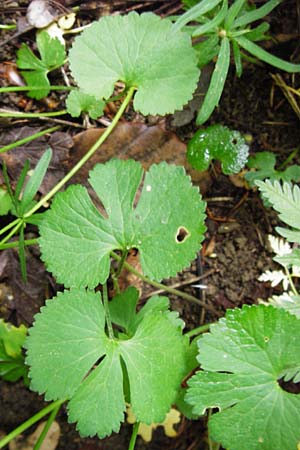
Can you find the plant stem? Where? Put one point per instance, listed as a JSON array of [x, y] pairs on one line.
[[17, 114], [33, 88], [15, 244], [31, 421], [46, 428], [188, 297], [121, 264], [83, 160], [9, 226], [198, 330], [12, 232], [289, 159], [135, 430], [28, 139], [107, 313]]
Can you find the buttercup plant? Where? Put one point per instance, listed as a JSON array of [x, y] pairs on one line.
[[96, 354]]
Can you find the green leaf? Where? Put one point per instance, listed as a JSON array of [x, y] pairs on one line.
[[207, 50], [242, 359], [35, 70], [5, 202], [233, 12], [290, 303], [290, 259], [217, 82], [35, 181], [213, 23], [264, 164], [258, 33], [256, 14], [284, 198], [12, 365], [143, 51], [196, 11], [259, 53], [122, 309], [166, 226], [78, 102], [63, 363], [237, 58], [218, 142]]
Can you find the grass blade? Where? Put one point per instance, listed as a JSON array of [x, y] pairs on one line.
[[21, 179], [261, 54], [237, 58], [217, 82], [256, 14]]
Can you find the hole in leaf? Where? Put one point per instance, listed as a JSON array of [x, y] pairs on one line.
[[234, 141], [289, 386], [181, 235]]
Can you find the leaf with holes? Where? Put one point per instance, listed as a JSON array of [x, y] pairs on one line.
[[143, 51], [78, 102], [221, 143], [35, 70], [166, 226], [243, 357], [80, 363]]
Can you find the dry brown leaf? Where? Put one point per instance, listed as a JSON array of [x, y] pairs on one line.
[[145, 431], [24, 299], [50, 442], [14, 159], [149, 145]]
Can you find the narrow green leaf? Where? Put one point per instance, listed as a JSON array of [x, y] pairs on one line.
[[22, 254], [35, 181], [261, 54], [21, 179], [144, 52], [258, 33], [233, 12], [198, 10], [237, 58], [207, 50], [217, 82], [242, 359], [256, 14], [213, 23]]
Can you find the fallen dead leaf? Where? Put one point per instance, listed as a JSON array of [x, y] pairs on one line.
[[60, 143], [24, 299], [149, 145], [145, 431], [50, 442]]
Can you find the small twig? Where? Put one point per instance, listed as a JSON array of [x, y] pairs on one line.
[[180, 284]]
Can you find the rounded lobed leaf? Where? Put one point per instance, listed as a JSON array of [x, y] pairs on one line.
[[144, 52], [221, 143], [78, 102], [243, 358], [71, 358], [167, 226]]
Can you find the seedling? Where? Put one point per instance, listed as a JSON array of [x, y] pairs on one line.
[[227, 29], [221, 143], [263, 165], [35, 70], [106, 352]]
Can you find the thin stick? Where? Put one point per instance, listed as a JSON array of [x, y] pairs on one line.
[[165, 288], [180, 284], [33, 88], [15, 244], [18, 114]]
